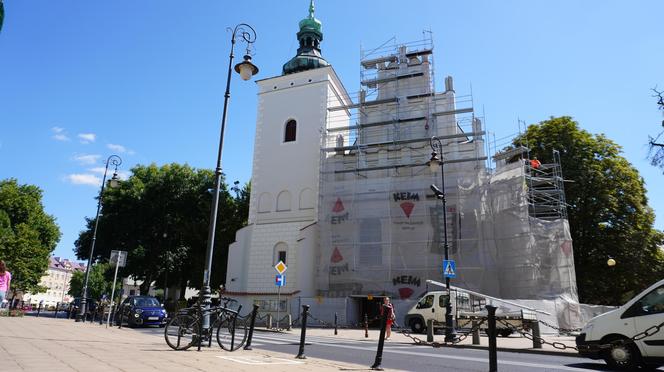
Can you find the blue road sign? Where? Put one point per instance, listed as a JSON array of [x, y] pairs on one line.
[[449, 269], [280, 280]]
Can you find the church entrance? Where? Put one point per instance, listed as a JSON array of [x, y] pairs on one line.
[[370, 306]]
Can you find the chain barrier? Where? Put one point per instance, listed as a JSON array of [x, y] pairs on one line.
[[561, 330], [526, 334], [560, 346], [324, 323], [460, 337]]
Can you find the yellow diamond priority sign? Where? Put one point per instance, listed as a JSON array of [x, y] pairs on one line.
[[281, 267]]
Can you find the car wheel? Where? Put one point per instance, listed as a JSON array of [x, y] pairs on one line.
[[417, 326], [505, 332], [622, 354]]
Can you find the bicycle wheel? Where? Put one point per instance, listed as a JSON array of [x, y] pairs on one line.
[[181, 332], [232, 332]]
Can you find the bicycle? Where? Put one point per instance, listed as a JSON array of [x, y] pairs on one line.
[[182, 331]]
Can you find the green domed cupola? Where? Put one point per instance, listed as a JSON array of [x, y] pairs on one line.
[[308, 54]]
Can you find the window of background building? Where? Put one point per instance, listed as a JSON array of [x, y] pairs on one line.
[[290, 131]]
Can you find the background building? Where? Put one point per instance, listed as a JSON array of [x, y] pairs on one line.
[[341, 194], [56, 280]]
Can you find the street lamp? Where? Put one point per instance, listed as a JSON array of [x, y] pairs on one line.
[[67, 266], [246, 69], [434, 164], [113, 183]]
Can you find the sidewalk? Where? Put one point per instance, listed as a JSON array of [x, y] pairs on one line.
[[514, 343], [54, 345]]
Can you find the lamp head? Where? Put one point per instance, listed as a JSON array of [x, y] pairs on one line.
[[434, 162], [114, 182], [246, 69], [611, 262]]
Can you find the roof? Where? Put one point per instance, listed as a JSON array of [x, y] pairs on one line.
[[58, 263]]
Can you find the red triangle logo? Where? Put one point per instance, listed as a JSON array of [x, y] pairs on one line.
[[338, 206], [407, 208], [405, 293], [336, 256]]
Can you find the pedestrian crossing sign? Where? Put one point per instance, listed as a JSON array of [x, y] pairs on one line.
[[449, 269]]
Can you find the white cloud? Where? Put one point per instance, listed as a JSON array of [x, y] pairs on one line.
[[87, 159], [83, 179], [123, 175], [97, 170], [117, 148], [86, 138], [59, 134], [60, 137]]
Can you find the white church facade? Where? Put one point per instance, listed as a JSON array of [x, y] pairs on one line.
[[341, 194]]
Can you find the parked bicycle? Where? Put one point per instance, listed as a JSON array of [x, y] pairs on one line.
[[186, 328]]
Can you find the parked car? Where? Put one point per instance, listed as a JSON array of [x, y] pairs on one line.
[[75, 305], [142, 311], [617, 328]]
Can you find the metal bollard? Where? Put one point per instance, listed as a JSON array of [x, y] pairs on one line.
[[289, 319], [39, 310], [200, 326], [57, 305], [366, 326], [430, 330], [493, 355], [303, 333], [381, 340], [537, 341], [120, 316], [476, 333], [247, 346], [268, 322], [336, 323]]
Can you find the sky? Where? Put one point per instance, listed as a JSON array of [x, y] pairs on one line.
[[81, 80]]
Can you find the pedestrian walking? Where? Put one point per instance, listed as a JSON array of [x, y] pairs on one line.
[[390, 316], [5, 282]]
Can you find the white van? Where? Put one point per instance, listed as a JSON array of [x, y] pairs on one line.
[[643, 312], [432, 307]]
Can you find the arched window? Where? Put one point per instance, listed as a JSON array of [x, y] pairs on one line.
[[265, 203], [290, 131], [280, 253], [284, 201]]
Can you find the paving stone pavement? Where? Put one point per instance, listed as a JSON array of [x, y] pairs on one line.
[[54, 345]]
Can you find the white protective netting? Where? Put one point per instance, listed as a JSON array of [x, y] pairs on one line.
[[381, 228]]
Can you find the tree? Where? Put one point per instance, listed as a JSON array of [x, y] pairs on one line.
[[657, 148], [608, 211], [160, 215], [27, 234], [99, 283]]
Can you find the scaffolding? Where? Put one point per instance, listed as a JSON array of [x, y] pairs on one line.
[[381, 228]]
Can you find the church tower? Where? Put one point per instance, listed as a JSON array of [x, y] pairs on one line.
[[292, 113]]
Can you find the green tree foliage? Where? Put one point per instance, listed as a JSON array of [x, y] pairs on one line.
[[27, 234], [160, 215], [608, 211], [655, 143], [99, 283]]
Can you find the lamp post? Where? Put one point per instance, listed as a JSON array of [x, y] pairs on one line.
[[113, 183], [64, 285], [246, 69], [434, 164]]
